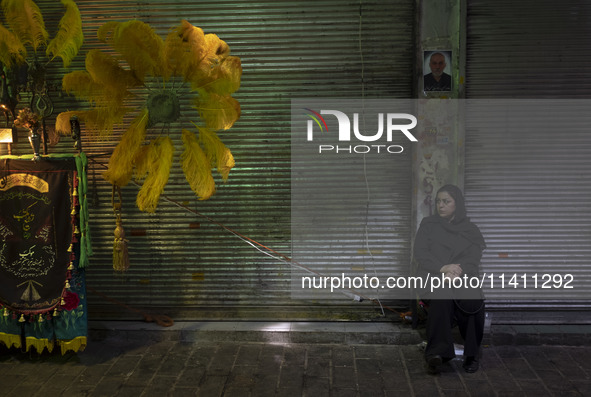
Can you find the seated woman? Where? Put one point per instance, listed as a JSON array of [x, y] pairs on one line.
[[448, 244]]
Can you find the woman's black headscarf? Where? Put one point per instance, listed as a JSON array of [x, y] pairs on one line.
[[461, 223]]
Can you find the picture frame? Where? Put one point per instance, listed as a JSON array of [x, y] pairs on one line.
[[437, 67]]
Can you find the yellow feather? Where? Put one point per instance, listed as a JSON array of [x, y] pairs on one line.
[[107, 105], [197, 167], [82, 86], [216, 151], [194, 40], [69, 38], [215, 47], [215, 52], [26, 21], [12, 52], [192, 35], [141, 163], [217, 111], [184, 49], [224, 79], [159, 160], [138, 44], [105, 70], [173, 51], [225, 164], [105, 31], [99, 121], [121, 162], [62, 122]]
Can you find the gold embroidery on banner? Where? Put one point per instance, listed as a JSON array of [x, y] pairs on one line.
[[25, 217], [30, 293], [28, 180]]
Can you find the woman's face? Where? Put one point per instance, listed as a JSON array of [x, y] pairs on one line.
[[446, 205]]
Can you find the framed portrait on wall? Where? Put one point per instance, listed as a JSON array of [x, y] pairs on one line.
[[437, 66]]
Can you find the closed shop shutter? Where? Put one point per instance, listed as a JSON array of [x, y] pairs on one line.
[[527, 182], [188, 266]]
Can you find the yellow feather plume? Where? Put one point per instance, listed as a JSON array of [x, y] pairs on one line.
[[139, 45], [105, 70], [158, 160], [82, 86], [69, 38], [217, 112], [141, 162], [12, 51], [99, 121], [216, 47], [173, 51], [216, 151], [107, 104], [62, 122], [184, 49], [224, 80], [106, 31], [197, 167], [121, 162], [193, 36], [26, 21]]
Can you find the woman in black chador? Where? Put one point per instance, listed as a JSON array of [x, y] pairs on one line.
[[448, 244]]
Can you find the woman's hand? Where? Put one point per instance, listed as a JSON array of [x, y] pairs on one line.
[[453, 270]]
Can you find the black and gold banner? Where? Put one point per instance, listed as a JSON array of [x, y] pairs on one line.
[[36, 202]]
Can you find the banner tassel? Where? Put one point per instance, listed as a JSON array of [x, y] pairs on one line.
[[120, 250]]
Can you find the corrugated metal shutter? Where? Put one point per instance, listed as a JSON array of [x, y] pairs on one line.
[[187, 266], [527, 185], [528, 49]]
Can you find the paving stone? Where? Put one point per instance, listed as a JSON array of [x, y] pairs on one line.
[[454, 393], [191, 376], [344, 392], [172, 364], [124, 366], [344, 377], [128, 391], [24, 390], [554, 381], [318, 366], [519, 368], [424, 387], [248, 355], [316, 386], [533, 388], [212, 385], [320, 351], [183, 391], [343, 356], [265, 385], [108, 386], [291, 376], [201, 355], [480, 388], [160, 385], [162, 366]]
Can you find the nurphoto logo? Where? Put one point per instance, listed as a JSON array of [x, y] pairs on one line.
[[391, 123]]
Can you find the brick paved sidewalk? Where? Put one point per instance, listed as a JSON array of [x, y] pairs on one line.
[[119, 367]]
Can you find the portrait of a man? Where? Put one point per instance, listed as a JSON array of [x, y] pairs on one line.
[[437, 65]]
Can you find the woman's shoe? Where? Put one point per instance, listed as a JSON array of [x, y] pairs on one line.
[[433, 363], [471, 364]]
